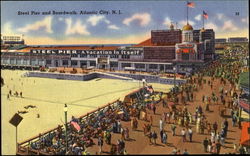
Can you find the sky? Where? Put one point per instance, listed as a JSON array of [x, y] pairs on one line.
[[132, 25]]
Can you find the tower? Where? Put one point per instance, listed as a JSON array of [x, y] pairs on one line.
[[187, 33]]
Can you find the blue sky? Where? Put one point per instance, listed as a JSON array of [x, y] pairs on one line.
[[133, 25]]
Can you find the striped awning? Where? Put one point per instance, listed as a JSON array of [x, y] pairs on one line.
[[245, 105]]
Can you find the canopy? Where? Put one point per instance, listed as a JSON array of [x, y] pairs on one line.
[[245, 134], [245, 105]]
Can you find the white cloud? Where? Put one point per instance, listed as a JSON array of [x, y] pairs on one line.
[[114, 27], [244, 20], [167, 21], [211, 25], [60, 19], [198, 17], [228, 25], [77, 28], [7, 29], [144, 19], [95, 19], [220, 16], [45, 23]]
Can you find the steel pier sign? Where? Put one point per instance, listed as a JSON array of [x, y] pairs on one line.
[[88, 52]]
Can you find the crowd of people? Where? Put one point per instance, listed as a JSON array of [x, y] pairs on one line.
[[106, 122], [99, 125]]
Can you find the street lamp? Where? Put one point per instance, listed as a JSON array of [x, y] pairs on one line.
[[66, 138], [174, 68]]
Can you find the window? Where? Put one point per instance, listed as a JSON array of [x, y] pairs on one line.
[[114, 56], [83, 55], [125, 56], [126, 65], [74, 55], [18, 62], [65, 62], [74, 63], [113, 64], [93, 56], [153, 66], [185, 56], [48, 61], [103, 56], [26, 62], [141, 66], [92, 63]]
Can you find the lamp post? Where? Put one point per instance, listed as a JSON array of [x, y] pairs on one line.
[[174, 68], [66, 138]]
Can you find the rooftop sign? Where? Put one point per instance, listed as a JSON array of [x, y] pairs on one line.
[[87, 52]]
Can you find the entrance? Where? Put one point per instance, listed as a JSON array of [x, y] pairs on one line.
[[56, 63], [161, 67], [103, 66]]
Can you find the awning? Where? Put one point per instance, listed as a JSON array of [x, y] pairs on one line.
[[245, 134], [245, 105]]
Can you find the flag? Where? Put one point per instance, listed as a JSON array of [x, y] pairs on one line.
[[190, 4], [75, 125], [205, 15]]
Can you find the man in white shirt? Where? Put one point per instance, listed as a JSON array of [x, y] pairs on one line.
[[161, 125], [183, 133], [190, 134]]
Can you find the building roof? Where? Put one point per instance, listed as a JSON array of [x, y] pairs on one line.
[[187, 27], [27, 49], [144, 43]]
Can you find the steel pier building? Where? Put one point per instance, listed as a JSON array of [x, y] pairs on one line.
[[186, 49]]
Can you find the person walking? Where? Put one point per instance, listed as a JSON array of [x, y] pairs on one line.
[[183, 134], [126, 133], [164, 137], [205, 144], [209, 146], [190, 134], [100, 144], [173, 128], [154, 108], [215, 127], [154, 135], [218, 147], [161, 124]]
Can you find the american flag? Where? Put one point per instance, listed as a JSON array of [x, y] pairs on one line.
[[190, 4], [205, 15], [75, 125]]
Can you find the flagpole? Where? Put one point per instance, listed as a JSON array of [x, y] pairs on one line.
[[187, 11], [203, 20]]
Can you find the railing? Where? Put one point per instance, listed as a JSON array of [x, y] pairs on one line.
[[24, 147]]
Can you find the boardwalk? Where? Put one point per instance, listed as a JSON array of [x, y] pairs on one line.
[[139, 144]]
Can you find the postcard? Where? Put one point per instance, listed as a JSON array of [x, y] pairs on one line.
[[125, 77]]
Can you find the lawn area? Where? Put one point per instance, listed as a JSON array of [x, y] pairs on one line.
[[244, 79]]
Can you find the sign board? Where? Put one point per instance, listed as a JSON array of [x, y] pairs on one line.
[[15, 120], [102, 60], [88, 52]]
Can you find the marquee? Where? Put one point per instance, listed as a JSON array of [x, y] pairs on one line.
[[88, 52]]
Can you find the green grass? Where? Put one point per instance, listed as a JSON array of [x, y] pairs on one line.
[[244, 79]]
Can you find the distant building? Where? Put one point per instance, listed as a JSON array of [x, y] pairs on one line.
[[220, 40], [12, 40], [237, 39], [186, 49]]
